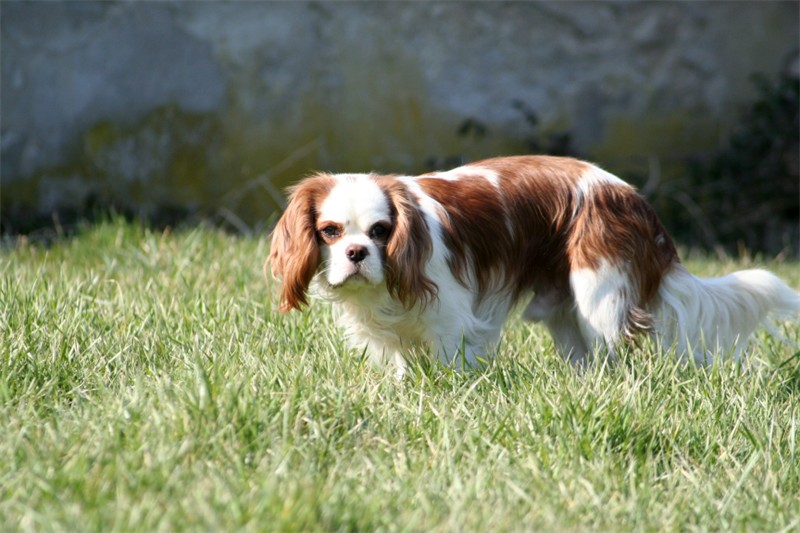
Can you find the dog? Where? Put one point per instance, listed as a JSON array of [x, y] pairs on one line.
[[440, 260]]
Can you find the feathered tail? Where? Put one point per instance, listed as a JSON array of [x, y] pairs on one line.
[[704, 317]]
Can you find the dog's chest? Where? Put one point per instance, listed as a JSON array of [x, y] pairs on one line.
[[385, 321]]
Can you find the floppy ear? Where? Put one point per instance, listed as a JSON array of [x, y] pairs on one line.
[[294, 253], [408, 249]]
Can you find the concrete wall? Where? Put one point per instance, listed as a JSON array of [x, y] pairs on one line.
[[187, 104]]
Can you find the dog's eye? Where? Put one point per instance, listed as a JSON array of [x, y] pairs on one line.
[[330, 232], [378, 231]]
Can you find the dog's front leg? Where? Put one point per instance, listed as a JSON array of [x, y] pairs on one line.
[[461, 353]]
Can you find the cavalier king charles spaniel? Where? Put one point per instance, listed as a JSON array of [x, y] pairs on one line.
[[440, 260]]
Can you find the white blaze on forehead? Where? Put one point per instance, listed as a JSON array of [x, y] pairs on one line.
[[356, 201]]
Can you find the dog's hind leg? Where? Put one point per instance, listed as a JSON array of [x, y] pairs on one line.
[[606, 307], [556, 310]]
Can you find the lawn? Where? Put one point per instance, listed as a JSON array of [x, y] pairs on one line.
[[147, 384]]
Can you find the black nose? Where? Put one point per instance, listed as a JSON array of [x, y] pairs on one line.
[[356, 253]]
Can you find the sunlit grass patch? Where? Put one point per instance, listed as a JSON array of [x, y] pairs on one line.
[[147, 383]]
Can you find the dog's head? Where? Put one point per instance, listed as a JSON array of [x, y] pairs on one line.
[[352, 232]]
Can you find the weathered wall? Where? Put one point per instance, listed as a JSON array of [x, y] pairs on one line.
[[182, 105]]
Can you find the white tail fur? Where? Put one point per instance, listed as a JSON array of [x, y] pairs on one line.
[[703, 317]]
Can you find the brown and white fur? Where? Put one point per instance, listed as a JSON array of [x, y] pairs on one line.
[[440, 260]]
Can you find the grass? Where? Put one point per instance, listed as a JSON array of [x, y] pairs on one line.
[[147, 384]]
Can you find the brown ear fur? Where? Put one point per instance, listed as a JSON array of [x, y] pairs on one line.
[[408, 249], [294, 254]]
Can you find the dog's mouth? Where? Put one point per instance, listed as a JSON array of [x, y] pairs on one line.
[[355, 277]]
